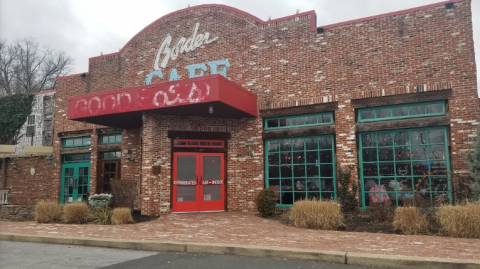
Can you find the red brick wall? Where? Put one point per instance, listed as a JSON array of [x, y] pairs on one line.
[[286, 63], [25, 188]]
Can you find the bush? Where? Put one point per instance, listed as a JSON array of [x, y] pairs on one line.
[[409, 220], [266, 202], [346, 196], [122, 215], [324, 215], [124, 192], [460, 220], [48, 211], [101, 216], [380, 213], [75, 213]]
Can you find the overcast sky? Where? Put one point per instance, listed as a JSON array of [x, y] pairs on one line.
[[86, 28]]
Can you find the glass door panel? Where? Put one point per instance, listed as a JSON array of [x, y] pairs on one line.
[[185, 177], [212, 177]]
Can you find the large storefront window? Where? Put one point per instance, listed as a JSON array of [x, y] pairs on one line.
[[301, 168], [405, 167]]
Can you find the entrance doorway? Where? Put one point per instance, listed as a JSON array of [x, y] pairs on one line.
[[75, 178], [198, 182]]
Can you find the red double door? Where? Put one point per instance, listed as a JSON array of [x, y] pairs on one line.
[[198, 182]]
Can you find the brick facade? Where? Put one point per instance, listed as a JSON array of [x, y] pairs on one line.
[[286, 62]]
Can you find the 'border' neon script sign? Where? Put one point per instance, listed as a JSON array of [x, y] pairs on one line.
[[166, 53], [183, 45]]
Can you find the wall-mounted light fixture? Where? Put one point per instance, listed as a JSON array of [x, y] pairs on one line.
[[15, 165], [249, 145], [210, 109], [49, 159]]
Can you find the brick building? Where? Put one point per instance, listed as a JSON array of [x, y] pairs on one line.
[[209, 104]]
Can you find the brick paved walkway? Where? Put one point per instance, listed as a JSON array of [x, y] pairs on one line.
[[248, 229]]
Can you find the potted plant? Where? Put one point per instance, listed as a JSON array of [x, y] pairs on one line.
[[102, 199]]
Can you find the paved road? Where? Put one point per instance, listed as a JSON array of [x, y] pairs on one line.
[[18, 255]]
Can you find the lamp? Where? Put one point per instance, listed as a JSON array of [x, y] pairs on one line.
[[49, 158], [14, 163], [249, 145], [210, 109]]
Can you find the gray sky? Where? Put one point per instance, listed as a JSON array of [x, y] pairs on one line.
[[85, 28]]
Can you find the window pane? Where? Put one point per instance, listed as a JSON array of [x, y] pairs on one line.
[[369, 140], [402, 153], [435, 108], [384, 113], [326, 170], [273, 159], [118, 138], [367, 114], [272, 123], [312, 170], [311, 143], [402, 138], [273, 172], [325, 142], [299, 157], [312, 156], [286, 171], [272, 146], [403, 169], [104, 139], [68, 142], [87, 140], [327, 118], [284, 122], [285, 145], [387, 169], [286, 158], [417, 110], [370, 169], [400, 111], [111, 139], [298, 144], [436, 136], [385, 154], [297, 121], [437, 152], [326, 156], [438, 168], [299, 170], [310, 119], [78, 142], [419, 153], [369, 155], [419, 137], [385, 139]]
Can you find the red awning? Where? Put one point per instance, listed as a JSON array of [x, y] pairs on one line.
[[189, 97]]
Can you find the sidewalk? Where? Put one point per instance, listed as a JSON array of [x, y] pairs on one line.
[[246, 229]]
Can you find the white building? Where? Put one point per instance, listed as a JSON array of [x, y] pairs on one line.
[[38, 127]]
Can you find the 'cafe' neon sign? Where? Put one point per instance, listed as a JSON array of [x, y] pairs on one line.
[[166, 53]]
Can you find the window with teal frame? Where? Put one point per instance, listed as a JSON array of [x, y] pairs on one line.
[[76, 158], [401, 111], [77, 142], [111, 139], [299, 121], [301, 168], [405, 167], [110, 155]]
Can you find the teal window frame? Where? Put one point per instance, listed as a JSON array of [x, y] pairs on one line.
[[322, 194], [76, 142], [76, 158], [290, 120], [407, 106], [117, 139], [110, 155], [411, 176]]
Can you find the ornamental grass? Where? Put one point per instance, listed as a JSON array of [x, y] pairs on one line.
[[323, 215], [75, 213], [122, 215], [48, 211], [460, 220], [410, 220]]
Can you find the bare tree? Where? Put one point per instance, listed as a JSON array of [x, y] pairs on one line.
[[25, 67]]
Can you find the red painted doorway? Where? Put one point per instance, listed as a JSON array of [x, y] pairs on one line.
[[198, 182]]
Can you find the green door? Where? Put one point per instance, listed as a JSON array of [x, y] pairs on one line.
[[75, 182]]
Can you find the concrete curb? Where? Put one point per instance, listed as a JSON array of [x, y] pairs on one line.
[[255, 251]]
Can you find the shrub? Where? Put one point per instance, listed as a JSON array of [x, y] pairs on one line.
[[346, 196], [101, 216], [124, 192], [324, 215], [380, 213], [122, 215], [75, 213], [266, 202], [460, 220], [48, 211], [409, 220]]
